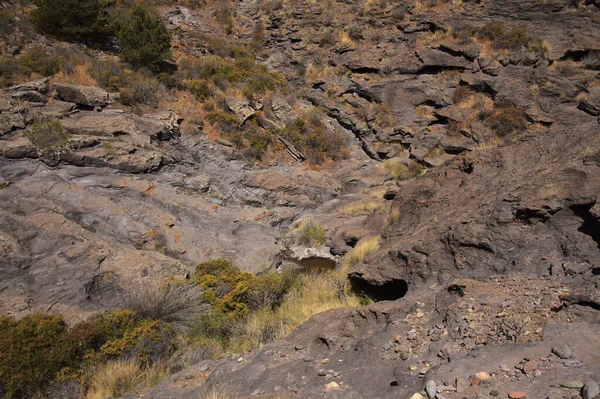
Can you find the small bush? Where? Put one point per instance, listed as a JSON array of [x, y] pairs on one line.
[[9, 67], [508, 120], [33, 351], [311, 235], [461, 93], [401, 170], [149, 341], [592, 60], [109, 74], [355, 33], [86, 20], [176, 303], [144, 38], [38, 60], [140, 90], [311, 137], [47, 135], [540, 46]]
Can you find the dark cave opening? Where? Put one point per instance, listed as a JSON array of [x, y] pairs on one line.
[[388, 291], [590, 225]]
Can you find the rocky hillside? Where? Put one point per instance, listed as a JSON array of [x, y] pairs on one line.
[[462, 137]]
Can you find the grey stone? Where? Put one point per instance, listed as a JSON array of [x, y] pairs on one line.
[[590, 390], [430, 388]]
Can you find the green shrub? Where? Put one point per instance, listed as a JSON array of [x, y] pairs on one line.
[[140, 89], [149, 341], [311, 137], [201, 89], [86, 20], [259, 142], [9, 67], [39, 60], [33, 351], [144, 38], [47, 135], [109, 74]]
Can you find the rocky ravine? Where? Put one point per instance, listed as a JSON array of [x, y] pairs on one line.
[[492, 266]]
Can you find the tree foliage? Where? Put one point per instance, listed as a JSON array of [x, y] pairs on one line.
[[74, 20], [144, 38]]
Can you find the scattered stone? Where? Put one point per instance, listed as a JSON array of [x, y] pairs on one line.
[[430, 388], [571, 363], [461, 384], [240, 359], [563, 351], [204, 368], [445, 388], [483, 376], [411, 334], [590, 390], [494, 393], [332, 386], [517, 395], [530, 367], [572, 384], [504, 367], [417, 396]]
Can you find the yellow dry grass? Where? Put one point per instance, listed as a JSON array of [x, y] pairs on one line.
[[122, 377], [357, 255], [80, 76], [312, 293], [218, 393], [359, 208]]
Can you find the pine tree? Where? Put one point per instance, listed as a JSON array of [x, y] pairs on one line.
[[73, 20], [143, 37]]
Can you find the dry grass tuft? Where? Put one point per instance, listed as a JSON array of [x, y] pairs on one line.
[[402, 171], [123, 377], [363, 248], [217, 393], [359, 208], [176, 303], [310, 234]]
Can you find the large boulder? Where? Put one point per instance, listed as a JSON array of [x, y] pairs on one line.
[[86, 96]]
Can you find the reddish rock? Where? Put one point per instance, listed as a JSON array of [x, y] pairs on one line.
[[530, 367], [517, 395]]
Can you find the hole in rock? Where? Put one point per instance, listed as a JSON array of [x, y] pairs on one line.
[[590, 225], [351, 241], [388, 291]]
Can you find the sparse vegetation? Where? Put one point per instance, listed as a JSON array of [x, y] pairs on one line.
[[310, 234], [310, 135], [592, 60], [363, 248], [123, 377], [359, 208], [505, 120], [401, 170], [47, 135]]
